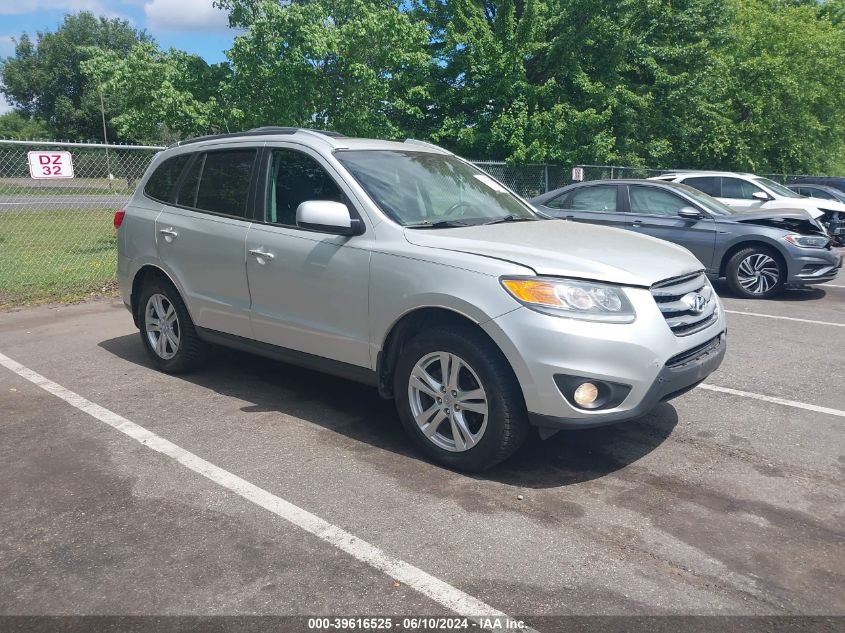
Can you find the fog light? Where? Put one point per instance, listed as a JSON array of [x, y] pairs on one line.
[[586, 394]]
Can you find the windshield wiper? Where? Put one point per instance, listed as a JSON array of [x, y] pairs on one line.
[[509, 218], [438, 224]]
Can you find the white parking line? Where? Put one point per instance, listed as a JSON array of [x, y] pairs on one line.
[[773, 399], [441, 592], [783, 318]]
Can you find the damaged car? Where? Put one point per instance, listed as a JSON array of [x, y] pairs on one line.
[[757, 251]]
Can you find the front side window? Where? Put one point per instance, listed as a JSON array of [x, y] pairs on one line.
[[294, 178], [558, 202], [163, 180], [777, 187], [710, 203], [738, 189], [595, 198], [654, 201], [817, 193], [423, 188], [224, 182]]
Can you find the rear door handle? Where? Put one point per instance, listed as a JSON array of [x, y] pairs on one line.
[[169, 234], [260, 254], [569, 217], [637, 223]]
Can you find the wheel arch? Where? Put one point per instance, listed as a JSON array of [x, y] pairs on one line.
[[144, 274], [404, 329], [749, 243]]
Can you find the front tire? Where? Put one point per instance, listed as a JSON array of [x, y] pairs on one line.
[[167, 331], [458, 399], [755, 273]]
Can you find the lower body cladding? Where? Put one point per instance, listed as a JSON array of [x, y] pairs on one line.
[[582, 374], [814, 267]]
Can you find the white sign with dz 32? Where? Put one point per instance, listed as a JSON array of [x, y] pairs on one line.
[[50, 165]]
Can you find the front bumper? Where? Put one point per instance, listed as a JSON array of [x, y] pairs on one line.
[[672, 381], [813, 267], [643, 356]]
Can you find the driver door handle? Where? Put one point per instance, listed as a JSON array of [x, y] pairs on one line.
[[637, 223], [260, 254], [169, 234]]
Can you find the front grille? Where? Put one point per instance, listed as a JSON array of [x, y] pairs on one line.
[[672, 298]]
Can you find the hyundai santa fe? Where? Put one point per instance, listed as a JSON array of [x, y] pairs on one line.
[[404, 267]]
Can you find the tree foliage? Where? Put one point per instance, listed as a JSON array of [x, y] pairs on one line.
[[14, 125], [352, 65], [159, 96], [735, 84], [44, 78]]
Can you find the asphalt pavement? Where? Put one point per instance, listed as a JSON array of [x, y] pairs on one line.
[[717, 503]]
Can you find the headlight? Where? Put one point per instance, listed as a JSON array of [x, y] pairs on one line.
[[570, 298], [807, 241]]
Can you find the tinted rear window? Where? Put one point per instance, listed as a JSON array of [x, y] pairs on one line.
[[188, 191], [711, 185], [161, 184], [224, 183]]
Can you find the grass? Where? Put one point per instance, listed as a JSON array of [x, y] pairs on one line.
[[64, 190], [56, 256]]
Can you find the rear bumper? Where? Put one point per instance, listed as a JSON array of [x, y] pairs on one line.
[[676, 378]]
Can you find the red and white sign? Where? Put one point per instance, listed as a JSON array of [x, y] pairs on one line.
[[577, 174], [50, 165]]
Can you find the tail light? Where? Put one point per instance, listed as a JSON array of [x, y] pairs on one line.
[[118, 218]]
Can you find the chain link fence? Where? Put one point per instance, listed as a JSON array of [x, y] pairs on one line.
[[57, 241], [613, 172], [527, 180]]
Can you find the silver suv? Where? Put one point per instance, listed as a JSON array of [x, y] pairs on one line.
[[404, 267]]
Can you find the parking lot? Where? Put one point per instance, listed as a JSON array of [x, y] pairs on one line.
[[717, 503]]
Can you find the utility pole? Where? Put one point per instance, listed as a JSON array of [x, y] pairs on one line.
[[105, 139]]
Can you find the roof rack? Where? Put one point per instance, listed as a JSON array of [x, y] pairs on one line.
[[272, 129], [258, 131], [413, 141]]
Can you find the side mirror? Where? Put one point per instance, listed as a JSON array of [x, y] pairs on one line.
[[328, 217], [690, 213], [761, 195]]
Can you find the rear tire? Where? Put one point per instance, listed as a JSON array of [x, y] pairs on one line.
[[472, 420], [755, 272], [167, 331]]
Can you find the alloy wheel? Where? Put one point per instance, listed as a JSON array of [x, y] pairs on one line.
[[448, 401], [161, 323], [758, 273]]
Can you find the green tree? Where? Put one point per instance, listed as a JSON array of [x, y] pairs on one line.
[[159, 96], [575, 80], [355, 66], [14, 125], [785, 65], [44, 79]]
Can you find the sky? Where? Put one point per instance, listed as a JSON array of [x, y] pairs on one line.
[[191, 25]]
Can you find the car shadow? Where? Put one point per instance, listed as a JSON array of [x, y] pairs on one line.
[[358, 413], [806, 293]]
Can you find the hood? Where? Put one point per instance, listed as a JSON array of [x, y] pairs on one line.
[[567, 249], [828, 205], [810, 205], [795, 220]]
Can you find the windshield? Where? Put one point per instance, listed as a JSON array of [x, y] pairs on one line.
[[777, 188], [708, 202], [421, 188]]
